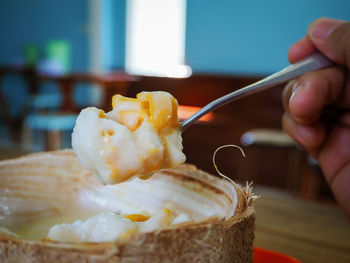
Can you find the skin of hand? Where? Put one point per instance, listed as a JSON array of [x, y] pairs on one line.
[[317, 104]]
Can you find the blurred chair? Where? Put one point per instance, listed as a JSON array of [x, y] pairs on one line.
[[43, 102], [6, 119], [303, 176], [52, 115], [54, 124], [263, 138], [13, 123]]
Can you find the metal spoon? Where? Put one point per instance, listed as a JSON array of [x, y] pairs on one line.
[[313, 62]]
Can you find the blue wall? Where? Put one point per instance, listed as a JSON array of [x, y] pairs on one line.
[[225, 37], [252, 36], [113, 34], [39, 21]]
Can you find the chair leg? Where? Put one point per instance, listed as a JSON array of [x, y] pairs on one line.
[[293, 170], [310, 183], [53, 140], [27, 137]]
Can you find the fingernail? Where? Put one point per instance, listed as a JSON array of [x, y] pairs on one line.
[[324, 27], [297, 87]]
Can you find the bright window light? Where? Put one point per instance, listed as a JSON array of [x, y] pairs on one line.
[[155, 38]]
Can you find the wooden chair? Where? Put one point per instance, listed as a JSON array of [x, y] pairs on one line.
[[302, 176], [55, 124], [12, 124], [262, 139]]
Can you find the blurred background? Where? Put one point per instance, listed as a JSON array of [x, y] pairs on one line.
[[57, 57]]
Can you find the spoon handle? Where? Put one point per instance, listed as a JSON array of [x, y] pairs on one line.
[[313, 62]]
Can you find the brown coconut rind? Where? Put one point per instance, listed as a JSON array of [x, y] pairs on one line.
[[213, 240]]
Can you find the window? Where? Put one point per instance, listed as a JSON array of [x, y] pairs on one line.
[[155, 38]]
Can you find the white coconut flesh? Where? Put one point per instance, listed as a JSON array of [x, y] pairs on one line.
[[137, 138], [41, 190]]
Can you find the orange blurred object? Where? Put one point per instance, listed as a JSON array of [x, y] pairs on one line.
[[266, 256], [185, 112]]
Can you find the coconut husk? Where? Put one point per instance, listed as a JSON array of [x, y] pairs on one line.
[[55, 180]]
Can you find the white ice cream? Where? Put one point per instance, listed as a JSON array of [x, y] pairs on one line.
[[137, 138]]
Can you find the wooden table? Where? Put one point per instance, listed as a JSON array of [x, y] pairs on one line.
[[310, 232]]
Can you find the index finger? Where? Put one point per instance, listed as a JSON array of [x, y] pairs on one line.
[[313, 91], [300, 49]]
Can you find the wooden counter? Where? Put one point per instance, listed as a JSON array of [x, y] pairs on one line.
[[310, 232]]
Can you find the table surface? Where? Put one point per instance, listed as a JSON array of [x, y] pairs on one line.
[[308, 231]]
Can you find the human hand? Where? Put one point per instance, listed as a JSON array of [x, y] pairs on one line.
[[317, 104]]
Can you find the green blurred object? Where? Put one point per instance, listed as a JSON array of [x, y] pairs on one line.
[[59, 51], [31, 54]]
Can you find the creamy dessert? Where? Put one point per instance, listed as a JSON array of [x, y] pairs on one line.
[[177, 215], [109, 226], [137, 138], [54, 210]]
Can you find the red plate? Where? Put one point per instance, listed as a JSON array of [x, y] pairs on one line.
[[266, 256]]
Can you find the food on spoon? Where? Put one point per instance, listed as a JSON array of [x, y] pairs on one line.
[[137, 138]]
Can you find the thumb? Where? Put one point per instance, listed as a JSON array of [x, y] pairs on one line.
[[332, 38]]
